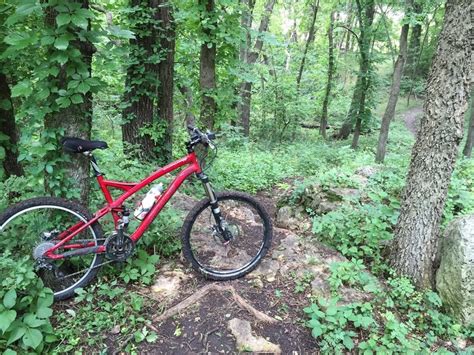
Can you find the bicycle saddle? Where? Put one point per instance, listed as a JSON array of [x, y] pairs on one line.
[[78, 145]]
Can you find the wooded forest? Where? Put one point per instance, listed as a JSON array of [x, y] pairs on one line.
[[351, 121]]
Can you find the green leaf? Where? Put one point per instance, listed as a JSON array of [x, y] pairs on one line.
[[23, 88], [331, 310], [44, 312], [27, 9], [9, 352], [31, 321], [316, 332], [6, 318], [63, 19], [16, 334], [76, 99], [49, 169], [9, 299], [32, 338], [348, 342], [2, 153], [63, 102], [47, 40], [80, 21], [61, 43], [83, 88]]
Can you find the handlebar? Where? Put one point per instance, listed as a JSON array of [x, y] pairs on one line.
[[199, 137]]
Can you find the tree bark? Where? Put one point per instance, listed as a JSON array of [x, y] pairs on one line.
[[414, 44], [434, 153], [309, 41], [188, 103], [141, 85], [8, 128], [166, 78], [366, 17], [393, 98], [324, 117], [76, 119], [252, 55], [207, 71], [346, 127], [470, 132]]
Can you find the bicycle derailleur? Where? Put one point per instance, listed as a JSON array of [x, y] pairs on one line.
[[119, 246]]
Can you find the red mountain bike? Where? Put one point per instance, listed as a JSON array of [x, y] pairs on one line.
[[224, 236]]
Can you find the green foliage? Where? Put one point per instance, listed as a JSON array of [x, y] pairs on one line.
[[140, 268], [105, 307], [24, 308]]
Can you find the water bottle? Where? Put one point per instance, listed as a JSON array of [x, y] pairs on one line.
[[148, 202]]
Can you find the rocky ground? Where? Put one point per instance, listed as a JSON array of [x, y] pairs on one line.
[[262, 312]]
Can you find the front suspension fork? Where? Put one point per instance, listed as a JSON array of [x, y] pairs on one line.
[[216, 212]]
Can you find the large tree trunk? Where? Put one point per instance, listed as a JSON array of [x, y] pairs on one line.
[[166, 78], [434, 153], [393, 98], [365, 13], [140, 84], [309, 41], [324, 116], [8, 128], [76, 119], [470, 132], [252, 55], [207, 71]]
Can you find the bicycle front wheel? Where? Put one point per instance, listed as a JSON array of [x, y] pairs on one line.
[[31, 227], [250, 236]]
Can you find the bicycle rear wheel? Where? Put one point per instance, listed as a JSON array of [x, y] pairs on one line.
[[31, 227], [213, 256]]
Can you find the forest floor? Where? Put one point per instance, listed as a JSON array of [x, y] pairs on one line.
[[412, 118], [262, 312]]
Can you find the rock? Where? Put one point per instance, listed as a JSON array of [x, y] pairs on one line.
[[267, 268], [284, 216], [366, 171], [168, 283], [326, 207], [246, 341], [455, 276], [341, 193], [183, 202]]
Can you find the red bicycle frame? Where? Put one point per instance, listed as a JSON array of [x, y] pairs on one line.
[[116, 206]]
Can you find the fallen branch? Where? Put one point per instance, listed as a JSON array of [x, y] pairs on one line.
[[203, 292], [309, 125]]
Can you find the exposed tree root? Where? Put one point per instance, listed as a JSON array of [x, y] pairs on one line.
[[203, 292]]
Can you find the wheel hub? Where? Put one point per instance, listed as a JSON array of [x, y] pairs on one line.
[[42, 248]]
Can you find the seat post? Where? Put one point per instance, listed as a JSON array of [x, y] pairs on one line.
[[93, 163]]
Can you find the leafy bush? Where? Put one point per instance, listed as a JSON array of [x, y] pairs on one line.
[[25, 308]]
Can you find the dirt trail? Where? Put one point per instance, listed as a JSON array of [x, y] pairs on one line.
[[262, 312], [412, 119]]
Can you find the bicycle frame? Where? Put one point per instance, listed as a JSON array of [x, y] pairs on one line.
[[116, 206]]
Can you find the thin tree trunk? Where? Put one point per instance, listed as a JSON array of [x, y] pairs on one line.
[[8, 128], [366, 18], [324, 116], [252, 55], [188, 103], [470, 132], [414, 43], [309, 41], [166, 78], [435, 151], [346, 127], [393, 98], [207, 70]]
